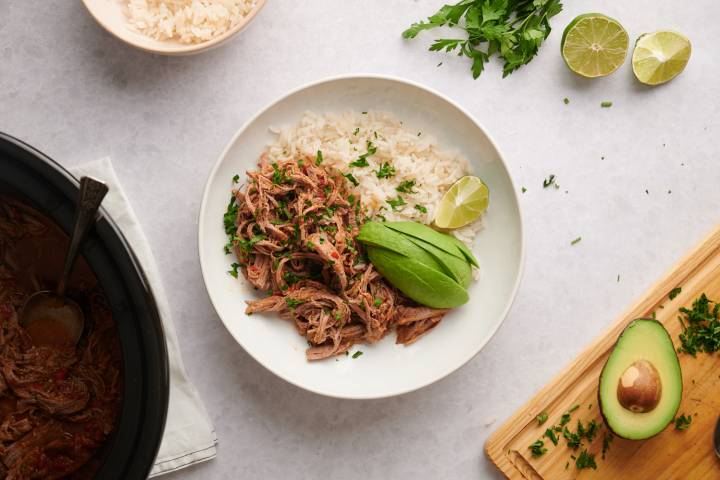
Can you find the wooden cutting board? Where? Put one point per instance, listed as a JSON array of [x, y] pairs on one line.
[[671, 455]]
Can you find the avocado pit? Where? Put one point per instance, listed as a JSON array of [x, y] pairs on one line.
[[639, 388]]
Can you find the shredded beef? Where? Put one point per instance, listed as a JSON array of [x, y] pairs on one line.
[[58, 406], [294, 235]]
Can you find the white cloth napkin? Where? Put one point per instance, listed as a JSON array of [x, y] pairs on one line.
[[189, 435]]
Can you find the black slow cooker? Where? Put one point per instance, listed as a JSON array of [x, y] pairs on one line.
[[36, 179]]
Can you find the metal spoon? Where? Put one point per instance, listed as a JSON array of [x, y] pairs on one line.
[[51, 318], [716, 438]]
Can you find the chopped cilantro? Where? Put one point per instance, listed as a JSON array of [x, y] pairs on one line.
[[357, 354], [236, 178], [247, 245], [576, 241], [398, 202], [550, 181], [351, 178], [377, 302], [674, 292], [318, 158], [542, 417], [386, 171], [279, 175], [537, 449], [420, 208], [234, 270], [566, 100], [524, 189], [606, 104], [586, 460], [406, 187], [683, 422], [550, 433], [607, 440], [230, 217], [700, 327], [293, 303]]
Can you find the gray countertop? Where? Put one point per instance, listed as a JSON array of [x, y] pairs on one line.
[[639, 183]]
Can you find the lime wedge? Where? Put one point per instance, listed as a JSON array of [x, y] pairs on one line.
[[466, 200], [660, 56], [594, 45]]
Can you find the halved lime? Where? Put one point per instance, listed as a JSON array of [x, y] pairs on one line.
[[660, 56], [594, 45], [466, 200]]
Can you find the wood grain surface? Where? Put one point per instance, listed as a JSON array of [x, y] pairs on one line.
[[671, 455]]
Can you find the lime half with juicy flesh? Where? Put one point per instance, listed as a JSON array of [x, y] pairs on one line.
[[660, 56], [594, 45], [466, 200]]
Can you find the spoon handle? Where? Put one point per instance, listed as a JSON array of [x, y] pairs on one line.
[[91, 196]]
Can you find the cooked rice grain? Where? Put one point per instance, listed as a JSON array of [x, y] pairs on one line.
[[414, 155], [187, 21]]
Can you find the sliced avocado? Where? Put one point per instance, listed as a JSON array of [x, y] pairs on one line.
[[457, 268], [376, 234], [641, 384], [445, 242], [416, 280]]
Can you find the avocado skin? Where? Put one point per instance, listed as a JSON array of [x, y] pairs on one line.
[[679, 386]]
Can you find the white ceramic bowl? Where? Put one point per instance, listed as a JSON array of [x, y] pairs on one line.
[[109, 14], [385, 369]]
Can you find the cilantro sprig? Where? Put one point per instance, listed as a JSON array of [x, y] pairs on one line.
[[513, 30]]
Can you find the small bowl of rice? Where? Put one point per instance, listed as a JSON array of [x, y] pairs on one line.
[[174, 27]]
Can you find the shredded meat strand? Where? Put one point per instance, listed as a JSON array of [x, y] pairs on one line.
[[294, 236], [58, 405]]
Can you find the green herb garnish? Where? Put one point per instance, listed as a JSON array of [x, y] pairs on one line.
[[576, 241], [606, 104], [574, 439], [550, 181], [247, 245], [351, 178], [236, 178], [230, 217], [550, 433], [279, 176], [406, 187], [362, 159], [683, 422], [514, 30], [386, 171], [537, 449], [292, 303], [234, 270], [700, 327], [566, 100], [586, 460], [542, 417], [398, 202], [607, 440], [377, 302], [318, 158], [674, 293], [420, 208], [357, 354]]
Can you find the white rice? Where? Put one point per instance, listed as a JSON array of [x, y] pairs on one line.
[[187, 21], [415, 155]]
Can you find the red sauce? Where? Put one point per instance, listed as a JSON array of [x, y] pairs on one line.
[[59, 402]]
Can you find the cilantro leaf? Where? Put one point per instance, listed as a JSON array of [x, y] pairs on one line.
[[513, 30]]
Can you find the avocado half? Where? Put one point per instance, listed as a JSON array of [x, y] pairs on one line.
[[644, 346]]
